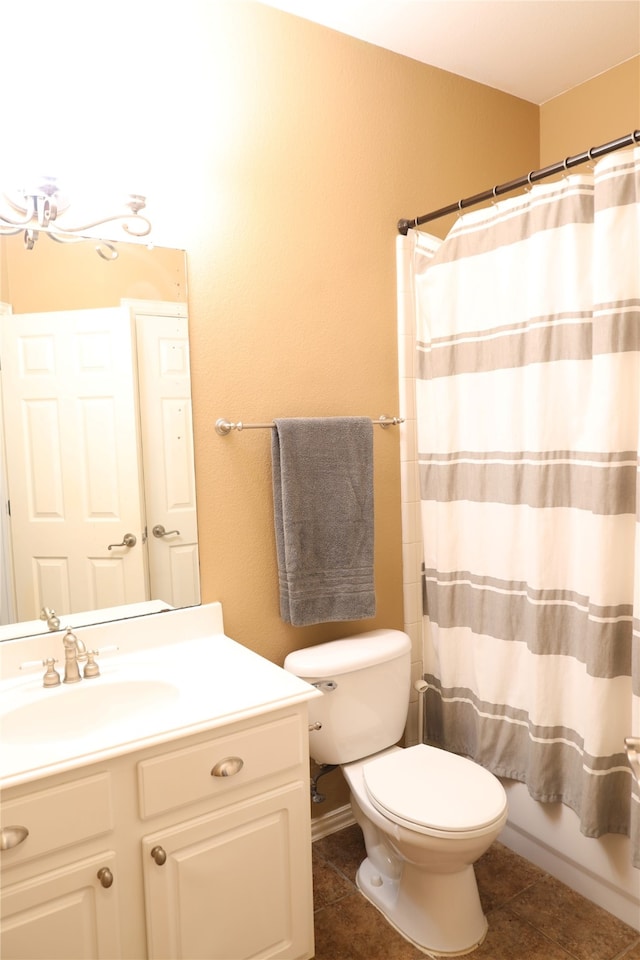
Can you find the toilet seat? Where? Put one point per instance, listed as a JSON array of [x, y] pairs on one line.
[[433, 791]]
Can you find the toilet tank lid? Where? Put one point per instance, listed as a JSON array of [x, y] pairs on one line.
[[348, 654]]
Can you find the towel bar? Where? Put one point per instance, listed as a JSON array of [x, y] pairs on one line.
[[224, 427]]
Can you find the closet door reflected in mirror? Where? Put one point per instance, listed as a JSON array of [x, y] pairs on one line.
[[96, 424], [167, 445]]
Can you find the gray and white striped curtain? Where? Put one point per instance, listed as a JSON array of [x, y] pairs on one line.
[[528, 431]]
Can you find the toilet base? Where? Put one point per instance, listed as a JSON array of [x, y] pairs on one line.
[[438, 913]]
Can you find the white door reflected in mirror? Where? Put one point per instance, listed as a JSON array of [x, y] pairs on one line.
[[73, 461]]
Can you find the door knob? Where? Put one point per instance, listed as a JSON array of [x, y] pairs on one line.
[[129, 540], [159, 531]]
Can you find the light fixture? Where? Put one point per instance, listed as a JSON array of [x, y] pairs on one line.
[[42, 208]]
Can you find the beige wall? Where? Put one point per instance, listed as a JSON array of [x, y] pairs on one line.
[[72, 276], [325, 143], [604, 108]]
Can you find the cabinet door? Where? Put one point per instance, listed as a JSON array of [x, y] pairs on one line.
[[234, 884], [66, 914]]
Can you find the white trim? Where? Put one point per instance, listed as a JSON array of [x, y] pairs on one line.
[[331, 822]]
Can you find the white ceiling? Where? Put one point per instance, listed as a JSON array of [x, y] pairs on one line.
[[533, 49]]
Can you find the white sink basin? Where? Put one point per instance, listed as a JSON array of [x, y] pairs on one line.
[[173, 674], [74, 711]]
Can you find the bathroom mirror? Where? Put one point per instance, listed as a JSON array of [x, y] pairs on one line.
[[97, 487]]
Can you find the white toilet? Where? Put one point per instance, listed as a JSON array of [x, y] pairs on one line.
[[426, 814]]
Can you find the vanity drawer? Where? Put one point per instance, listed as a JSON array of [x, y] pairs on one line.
[[58, 817], [190, 774]]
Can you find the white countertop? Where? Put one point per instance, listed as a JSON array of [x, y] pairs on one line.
[[173, 674]]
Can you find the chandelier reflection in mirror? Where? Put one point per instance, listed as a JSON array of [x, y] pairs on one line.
[[43, 208]]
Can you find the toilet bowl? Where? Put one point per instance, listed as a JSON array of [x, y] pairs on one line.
[[426, 814]]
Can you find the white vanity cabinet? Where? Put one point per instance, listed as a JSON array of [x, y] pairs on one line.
[[206, 839], [235, 881], [202, 903], [57, 895], [62, 915]]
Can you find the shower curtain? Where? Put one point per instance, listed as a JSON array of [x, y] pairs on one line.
[[527, 392]]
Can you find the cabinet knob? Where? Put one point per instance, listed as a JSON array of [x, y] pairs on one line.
[[105, 876], [12, 836], [227, 767], [159, 855]]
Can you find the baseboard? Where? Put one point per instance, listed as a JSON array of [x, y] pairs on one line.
[[331, 822]]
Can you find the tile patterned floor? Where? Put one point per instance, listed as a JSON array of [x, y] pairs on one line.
[[532, 916]]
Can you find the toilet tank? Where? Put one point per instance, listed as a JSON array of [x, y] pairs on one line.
[[365, 680]]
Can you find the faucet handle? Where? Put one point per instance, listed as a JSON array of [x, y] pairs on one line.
[[31, 664], [92, 669], [51, 677]]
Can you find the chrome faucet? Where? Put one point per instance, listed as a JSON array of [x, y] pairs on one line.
[[74, 650], [49, 615]]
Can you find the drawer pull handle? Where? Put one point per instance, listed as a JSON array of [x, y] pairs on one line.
[[159, 855], [12, 836], [105, 877], [227, 767]]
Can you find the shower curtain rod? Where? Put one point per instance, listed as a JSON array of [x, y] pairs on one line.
[[532, 177]]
